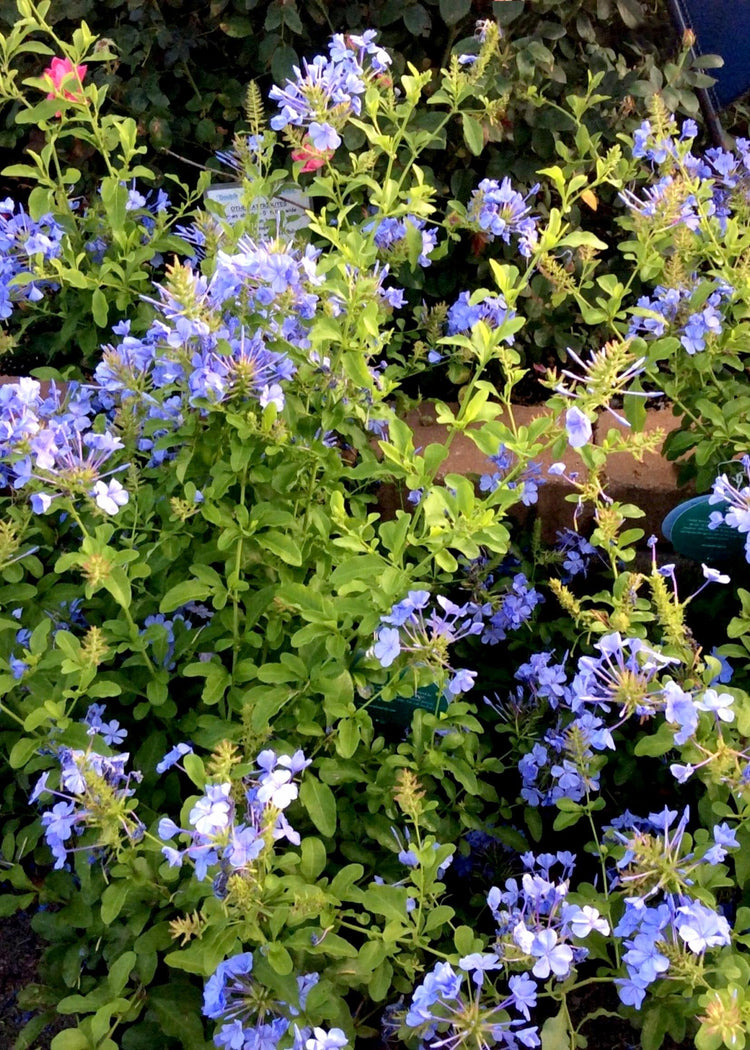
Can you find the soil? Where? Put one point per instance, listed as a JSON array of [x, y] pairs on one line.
[[20, 952]]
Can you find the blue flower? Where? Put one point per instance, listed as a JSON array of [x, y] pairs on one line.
[[551, 957], [331, 1040], [18, 668], [524, 993], [462, 681], [387, 646], [173, 757], [110, 496], [226, 981], [631, 991], [323, 136], [578, 427], [478, 963], [112, 733], [212, 812], [719, 703], [701, 927]]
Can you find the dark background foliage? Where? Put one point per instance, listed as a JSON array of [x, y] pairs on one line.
[[184, 64]]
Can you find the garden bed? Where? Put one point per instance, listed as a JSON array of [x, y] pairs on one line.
[[288, 769]]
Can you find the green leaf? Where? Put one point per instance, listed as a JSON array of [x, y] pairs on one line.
[[416, 19], [277, 674], [347, 737], [70, 1039], [555, 1035], [182, 593], [464, 940], [10, 903], [118, 586], [361, 567], [113, 899], [345, 879], [193, 766], [282, 545], [314, 857], [473, 133], [99, 308], [264, 703], [582, 238], [283, 61], [567, 819], [656, 744], [120, 970], [655, 1026], [452, 11], [20, 171], [380, 983], [320, 803], [22, 751], [237, 27], [177, 1008], [279, 958], [30, 1033]]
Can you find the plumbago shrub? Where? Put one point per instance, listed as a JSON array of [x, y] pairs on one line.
[[78, 250], [283, 773]]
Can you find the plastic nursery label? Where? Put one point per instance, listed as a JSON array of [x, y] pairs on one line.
[[401, 709], [284, 213], [687, 528]]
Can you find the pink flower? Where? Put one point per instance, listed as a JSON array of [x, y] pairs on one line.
[[313, 158], [58, 72]]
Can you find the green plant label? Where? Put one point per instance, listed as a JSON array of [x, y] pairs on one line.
[[285, 212], [687, 528], [402, 708]]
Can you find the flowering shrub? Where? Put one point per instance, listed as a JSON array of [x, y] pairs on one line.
[[361, 797]]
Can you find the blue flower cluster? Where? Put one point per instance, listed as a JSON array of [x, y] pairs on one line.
[[625, 676], [222, 832], [511, 610], [199, 353], [144, 208], [731, 497], [409, 629], [24, 243], [656, 147], [391, 236], [727, 174], [663, 924], [668, 202], [566, 767], [505, 461], [51, 442], [536, 925], [67, 616], [622, 675], [326, 91], [214, 341], [161, 637], [492, 309], [94, 792], [497, 210], [538, 931], [577, 553], [443, 1014], [233, 996], [669, 310]]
